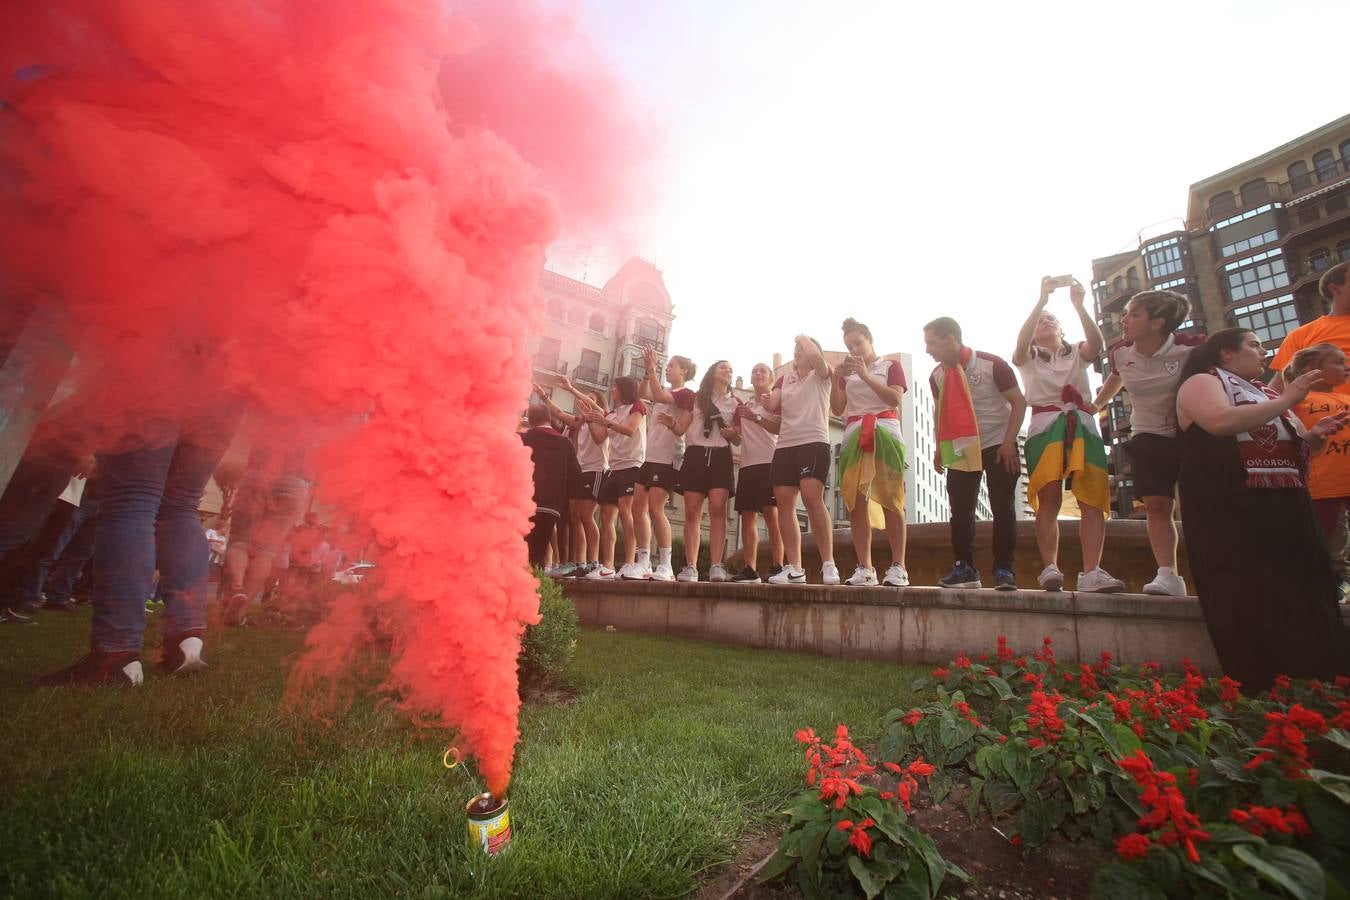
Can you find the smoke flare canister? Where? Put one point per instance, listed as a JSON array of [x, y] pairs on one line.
[[489, 824]]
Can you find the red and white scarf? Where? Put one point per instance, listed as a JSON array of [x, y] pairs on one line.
[[1273, 454]]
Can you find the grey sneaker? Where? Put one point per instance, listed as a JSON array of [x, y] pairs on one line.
[[862, 577], [1171, 585], [1099, 581], [718, 572], [688, 573], [829, 573], [1051, 578], [896, 576]]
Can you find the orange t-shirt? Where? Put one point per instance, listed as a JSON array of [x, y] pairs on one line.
[[1330, 471], [1333, 330]]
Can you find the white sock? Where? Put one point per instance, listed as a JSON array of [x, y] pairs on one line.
[[644, 557], [664, 555], [1165, 570]]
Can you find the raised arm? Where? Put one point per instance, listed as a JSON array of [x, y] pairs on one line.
[[814, 356], [652, 379], [1091, 348], [628, 427], [1110, 387], [568, 419], [1028, 329]]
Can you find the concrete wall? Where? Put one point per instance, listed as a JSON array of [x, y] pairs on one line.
[[912, 625]]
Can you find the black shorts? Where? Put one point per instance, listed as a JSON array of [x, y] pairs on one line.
[[706, 469], [1155, 463], [658, 475], [754, 488], [618, 483], [792, 464], [587, 487]]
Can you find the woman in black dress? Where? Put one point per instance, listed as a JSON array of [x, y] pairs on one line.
[[1260, 566]]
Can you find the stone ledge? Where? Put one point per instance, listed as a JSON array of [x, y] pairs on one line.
[[920, 625]]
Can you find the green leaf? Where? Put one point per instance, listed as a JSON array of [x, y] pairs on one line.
[[1126, 740], [973, 801], [1216, 872], [836, 841], [982, 759], [813, 836], [940, 785], [1328, 815], [873, 805], [1118, 881], [871, 882], [1000, 797], [1232, 770], [932, 858], [1339, 737], [1295, 871], [775, 867], [1164, 870], [1336, 785], [1001, 688], [914, 887], [806, 807], [1035, 822], [954, 732]]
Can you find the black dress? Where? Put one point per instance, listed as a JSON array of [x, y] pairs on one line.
[[1261, 569]]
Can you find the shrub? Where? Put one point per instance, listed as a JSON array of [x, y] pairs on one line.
[[546, 649]]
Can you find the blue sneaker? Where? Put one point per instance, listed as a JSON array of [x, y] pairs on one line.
[[1004, 580], [963, 575]]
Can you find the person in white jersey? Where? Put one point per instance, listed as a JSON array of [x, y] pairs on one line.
[[706, 473], [1063, 445], [754, 484], [593, 458], [801, 461], [622, 427], [1148, 364], [672, 411], [866, 391]]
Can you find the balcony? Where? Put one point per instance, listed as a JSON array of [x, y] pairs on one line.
[[1117, 293], [1326, 177], [549, 364], [1305, 269], [591, 376]]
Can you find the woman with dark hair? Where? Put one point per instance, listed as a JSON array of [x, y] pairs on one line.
[[706, 470], [1147, 362], [754, 483], [672, 411], [593, 457], [801, 461], [622, 428], [1257, 555], [866, 392]]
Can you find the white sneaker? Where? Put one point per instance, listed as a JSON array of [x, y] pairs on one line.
[[1099, 581], [862, 577], [646, 567], [688, 573], [1171, 585], [896, 576], [718, 572], [1051, 578], [789, 575], [601, 572], [632, 572], [829, 573], [663, 572]]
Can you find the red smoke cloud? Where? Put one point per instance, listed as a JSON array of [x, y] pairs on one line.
[[338, 209]]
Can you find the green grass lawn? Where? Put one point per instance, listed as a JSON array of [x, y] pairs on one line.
[[207, 786]]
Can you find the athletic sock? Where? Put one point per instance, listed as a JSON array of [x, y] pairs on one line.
[[1165, 570], [644, 557], [664, 555]]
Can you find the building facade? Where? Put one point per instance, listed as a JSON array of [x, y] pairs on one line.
[[1255, 241]]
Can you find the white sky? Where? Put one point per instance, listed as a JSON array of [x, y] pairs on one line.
[[899, 161]]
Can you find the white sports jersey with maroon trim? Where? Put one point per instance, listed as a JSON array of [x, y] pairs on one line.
[[805, 409], [861, 400], [695, 437], [988, 376], [592, 455], [1153, 381], [757, 444], [627, 450], [662, 443]]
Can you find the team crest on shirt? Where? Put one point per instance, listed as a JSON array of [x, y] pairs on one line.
[[975, 378], [1172, 365]]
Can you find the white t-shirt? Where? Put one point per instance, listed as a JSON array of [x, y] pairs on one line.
[[1046, 373], [627, 451], [1153, 381], [757, 443], [695, 437], [805, 409], [592, 455], [662, 443], [988, 376], [861, 400]]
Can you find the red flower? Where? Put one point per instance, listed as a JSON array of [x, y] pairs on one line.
[[859, 840], [920, 768], [1230, 689], [1261, 819], [940, 673], [962, 661], [1003, 739], [1043, 718], [912, 718], [1015, 840], [806, 735], [1087, 680], [1004, 652], [1167, 805], [1133, 846], [1105, 663], [1047, 651], [1285, 739], [967, 713]]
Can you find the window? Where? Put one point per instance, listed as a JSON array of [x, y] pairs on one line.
[[576, 315], [1343, 251], [1335, 203], [1246, 244], [1254, 192], [1118, 285], [1299, 179], [1132, 278], [1271, 319], [1222, 203], [1324, 161], [1345, 153], [649, 331], [1319, 260], [597, 323], [554, 310], [1164, 261], [1258, 279], [1249, 214], [546, 357]]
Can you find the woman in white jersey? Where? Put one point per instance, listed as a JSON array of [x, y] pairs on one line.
[[801, 461], [706, 470], [758, 429], [622, 427], [1148, 364], [672, 410], [866, 392], [593, 457], [1063, 446]]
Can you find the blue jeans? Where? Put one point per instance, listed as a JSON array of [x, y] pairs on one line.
[[147, 519], [66, 570]]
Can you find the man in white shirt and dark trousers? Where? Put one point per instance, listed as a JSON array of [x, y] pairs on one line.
[[997, 407]]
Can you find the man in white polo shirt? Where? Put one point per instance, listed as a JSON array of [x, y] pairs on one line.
[[998, 408]]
